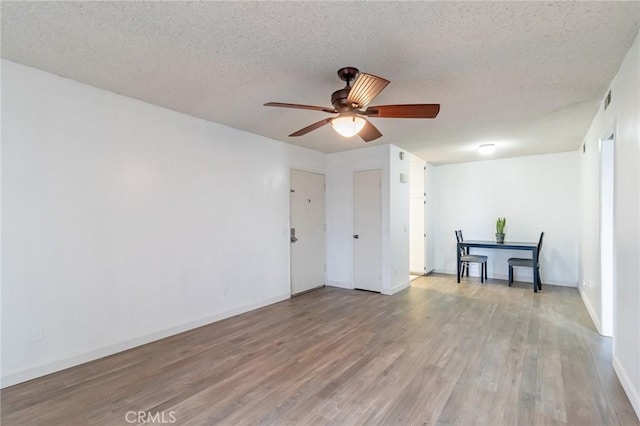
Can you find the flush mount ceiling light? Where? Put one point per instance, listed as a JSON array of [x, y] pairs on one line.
[[348, 125], [487, 149]]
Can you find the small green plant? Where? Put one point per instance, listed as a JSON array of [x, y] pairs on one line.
[[500, 223]]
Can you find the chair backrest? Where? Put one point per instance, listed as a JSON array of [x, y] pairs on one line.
[[540, 243], [540, 246], [463, 250]]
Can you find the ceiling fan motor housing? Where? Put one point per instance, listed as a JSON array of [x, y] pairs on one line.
[[339, 97], [339, 100]]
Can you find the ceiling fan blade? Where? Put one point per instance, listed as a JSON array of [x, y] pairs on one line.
[[369, 132], [298, 106], [313, 126], [403, 111], [365, 88]]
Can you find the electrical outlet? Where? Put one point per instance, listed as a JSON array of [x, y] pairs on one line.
[[37, 335]]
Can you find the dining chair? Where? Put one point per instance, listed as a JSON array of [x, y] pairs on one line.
[[466, 258], [517, 261]]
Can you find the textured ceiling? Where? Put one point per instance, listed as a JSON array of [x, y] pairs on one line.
[[528, 76]]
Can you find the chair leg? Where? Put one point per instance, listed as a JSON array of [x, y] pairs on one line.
[[482, 272], [510, 275], [539, 280], [485, 271]]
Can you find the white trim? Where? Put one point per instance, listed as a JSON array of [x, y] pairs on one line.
[[52, 367], [592, 312], [505, 277], [632, 394], [607, 284], [396, 288], [340, 284], [544, 282], [308, 170]]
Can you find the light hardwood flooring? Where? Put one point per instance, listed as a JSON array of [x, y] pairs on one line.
[[436, 353]]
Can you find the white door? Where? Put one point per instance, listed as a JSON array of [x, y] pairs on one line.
[[367, 231], [307, 231]]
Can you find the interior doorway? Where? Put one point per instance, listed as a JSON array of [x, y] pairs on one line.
[[606, 232], [417, 217], [307, 231]]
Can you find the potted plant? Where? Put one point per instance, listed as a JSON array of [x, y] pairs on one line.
[[500, 223]]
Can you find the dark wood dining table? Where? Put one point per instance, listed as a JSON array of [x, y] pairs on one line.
[[532, 247]]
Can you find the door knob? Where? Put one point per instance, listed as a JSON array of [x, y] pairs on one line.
[[356, 236]]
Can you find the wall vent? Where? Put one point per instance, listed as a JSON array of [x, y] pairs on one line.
[[607, 100]]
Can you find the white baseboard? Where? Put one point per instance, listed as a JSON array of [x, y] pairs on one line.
[[505, 277], [396, 288], [592, 312], [340, 284], [52, 367], [544, 282], [632, 393]]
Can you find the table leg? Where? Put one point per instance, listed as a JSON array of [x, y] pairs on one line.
[[535, 270], [458, 260]]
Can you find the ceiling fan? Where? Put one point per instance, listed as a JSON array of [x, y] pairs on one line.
[[349, 104]]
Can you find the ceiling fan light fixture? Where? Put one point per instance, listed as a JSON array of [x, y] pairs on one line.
[[350, 103], [487, 149], [348, 125]]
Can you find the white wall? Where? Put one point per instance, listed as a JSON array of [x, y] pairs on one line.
[[395, 215], [398, 222], [125, 222], [535, 194], [622, 117], [340, 169]]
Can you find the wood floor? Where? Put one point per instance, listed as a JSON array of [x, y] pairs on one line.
[[437, 353]]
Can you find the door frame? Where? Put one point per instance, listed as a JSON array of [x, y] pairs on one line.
[[423, 198], [607, 283]]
